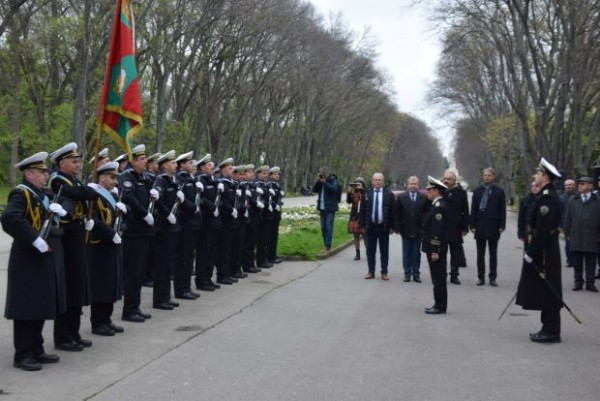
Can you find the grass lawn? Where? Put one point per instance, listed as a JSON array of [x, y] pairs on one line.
[[304, 238]]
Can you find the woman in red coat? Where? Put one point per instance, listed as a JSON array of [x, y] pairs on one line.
[[356, 196]]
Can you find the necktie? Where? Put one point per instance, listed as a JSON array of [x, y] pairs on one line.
[[412, 198], [585, 198], [376, 206]]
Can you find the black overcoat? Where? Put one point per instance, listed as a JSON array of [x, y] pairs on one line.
[[458, 213], [544, 221], [582, 224], [487, 223]]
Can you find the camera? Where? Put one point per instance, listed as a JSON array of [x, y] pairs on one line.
[[353, 185], [321, 176]]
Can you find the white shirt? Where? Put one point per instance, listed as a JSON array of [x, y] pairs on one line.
[[377, 205]]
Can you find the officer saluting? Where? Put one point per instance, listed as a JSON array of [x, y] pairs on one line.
[[542, 256], [435, 243], [35, 288], [74, 197]]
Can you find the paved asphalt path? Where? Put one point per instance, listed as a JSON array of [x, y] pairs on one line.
[[319, 331]]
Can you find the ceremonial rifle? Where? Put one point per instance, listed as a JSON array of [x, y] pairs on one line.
[[45, 231]]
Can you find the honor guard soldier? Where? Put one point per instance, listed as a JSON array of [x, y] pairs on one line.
[[137, 194], [190, 221], [122, 160], [255, 207], [542, 258], [262, 173], [277, 195], [103, 158], [229, 195], [435, 243], [242, 220], [206, 247], [106, 252], [35, 283], [151, 173], [167, 230]]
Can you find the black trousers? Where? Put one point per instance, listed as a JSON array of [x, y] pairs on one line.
[[262, 245], [252, 233], [27, 337], [493, 246], [224, 256], [238, 248], [206, 249], [150, 260], [551, 322], [376, 233], [100, 313], [438, 277], [581, 258], [135, 255], [166, 248], [273, 239], [185, 261], [456, 258], [66, 326]]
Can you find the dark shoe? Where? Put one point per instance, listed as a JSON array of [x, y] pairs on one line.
[[69, 346], [103, 330], [240, 275], [406, 279], [434, 310], [598, 274], [84, 343], [144, 314], [204, 286], [233, 279], [195, 294], [47, 358], [148, 283], [480, 282], [417, 279], [357, 257], [276, 261], [163, 306], [265, 266], [173, 304], [186, 295], [369, 276], [591, 287], [28, 364], [493, 283], [455, 280], [544, 338], [115, 328], [224, 281], [578, 287], [215, 286], [133, 318], [252, 270]]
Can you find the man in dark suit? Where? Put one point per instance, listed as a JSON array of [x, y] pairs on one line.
[[327, 203], [435, 244], [488, 221], [377, 218], [458, 222], [411, 206]]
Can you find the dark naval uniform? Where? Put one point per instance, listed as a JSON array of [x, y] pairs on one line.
[[276, 203], [207, 240], [255, 208], [533, 294], [229, 225], [74, 198], [240, 233], [105, 260], [151, 259], [35, 285], [435, 240], [262, 245]]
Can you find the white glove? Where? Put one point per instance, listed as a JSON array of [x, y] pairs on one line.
[[221, 187], [260, 191], [154, 194], [89, 224], [199, 186], [121, 206], [115, 191], [234, 213], [238, 192], [246, 213], [270, 208], [272, 191], [248, 193], [278, 208], [57, 209], [180, 196], [260, 205], [92, 185], [41, 245], [149, 219], [117, 239], [197, 210], [527, 258], [171, 218], [216, 212], [282, 193]]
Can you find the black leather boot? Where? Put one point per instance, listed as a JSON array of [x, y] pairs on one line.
[[357, 257]]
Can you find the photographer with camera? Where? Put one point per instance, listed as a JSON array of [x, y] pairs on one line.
[[327, 203], [355, 196]]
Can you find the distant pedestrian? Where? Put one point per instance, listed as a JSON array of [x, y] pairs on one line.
[[411, 206], [355, 197], [377, 220], [327, 203], [570, 191], [458, 223], [582, 228], [487, 222]]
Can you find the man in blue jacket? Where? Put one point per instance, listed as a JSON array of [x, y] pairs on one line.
[[327, 203]]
